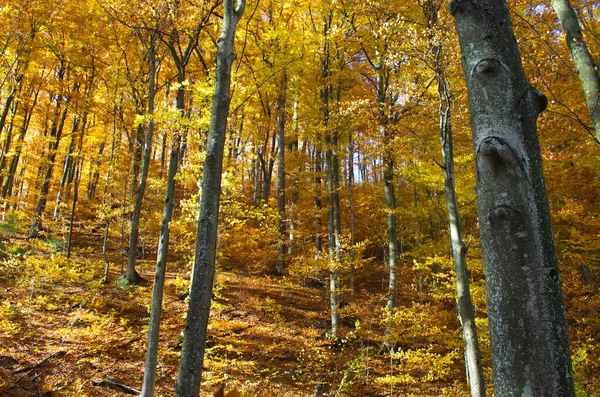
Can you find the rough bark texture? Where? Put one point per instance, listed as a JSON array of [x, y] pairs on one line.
[[194, 340], [530, 348], [586, 67]]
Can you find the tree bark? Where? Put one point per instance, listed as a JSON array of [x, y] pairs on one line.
[[587, 69], [7, 188], [332, 182], [194, 340], [388, 188], [293, 150], [181, 60], [530, 348], [350, 183], [465, 306], [131, 274], [56, 129], [69, 162], [280, 265]]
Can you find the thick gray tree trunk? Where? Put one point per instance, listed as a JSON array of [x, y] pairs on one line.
[[584, 62], [530, 348], [280, 265], [194, 339]]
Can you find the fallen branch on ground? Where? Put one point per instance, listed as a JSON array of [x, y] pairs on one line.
[[111, 383]]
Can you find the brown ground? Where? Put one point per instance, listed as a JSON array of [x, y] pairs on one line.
[[64, 333]]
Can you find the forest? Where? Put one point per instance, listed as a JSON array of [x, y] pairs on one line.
[[299, 198]]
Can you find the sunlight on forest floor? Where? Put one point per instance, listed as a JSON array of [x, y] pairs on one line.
[[65, 333]]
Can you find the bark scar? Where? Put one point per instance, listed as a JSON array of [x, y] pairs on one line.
[[497, 151], [534, 100]]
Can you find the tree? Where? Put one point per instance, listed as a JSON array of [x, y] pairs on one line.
[[530, 348], [181, 58], [194, 339], [465, 306], [587, 69]]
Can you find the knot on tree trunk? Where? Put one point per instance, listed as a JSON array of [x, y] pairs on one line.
[[497, 151], [535, 101]]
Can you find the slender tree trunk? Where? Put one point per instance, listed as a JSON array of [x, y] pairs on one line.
[[281, 174], [293, 150], [69, 162], [131, 274], [10, 106], [317, 200], [14, 161], [194, 340], [587, 69], [465, 306], [108, 196], [77, 178], [350, 186], [95, 173], [163, 247], [332, 179], [159, 276], [388, 189], [530, 347], [56, 129]]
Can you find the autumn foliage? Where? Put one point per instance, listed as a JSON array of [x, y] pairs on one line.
[[74, 91]]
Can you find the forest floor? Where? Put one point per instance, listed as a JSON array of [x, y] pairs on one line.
[[65, 333]]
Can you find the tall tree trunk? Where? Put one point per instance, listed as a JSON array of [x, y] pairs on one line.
[[280, 265], [350, 186], [194, 340], [95, 173], [530, 347], [388, 188], [69, 162], [131, 275], [14, 161], [293, 150], [181, 60], [587, 69], [163, 250], [317, 199], [332, 179], [77, 178], [464, 303], [57, 124], [10, 106]]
